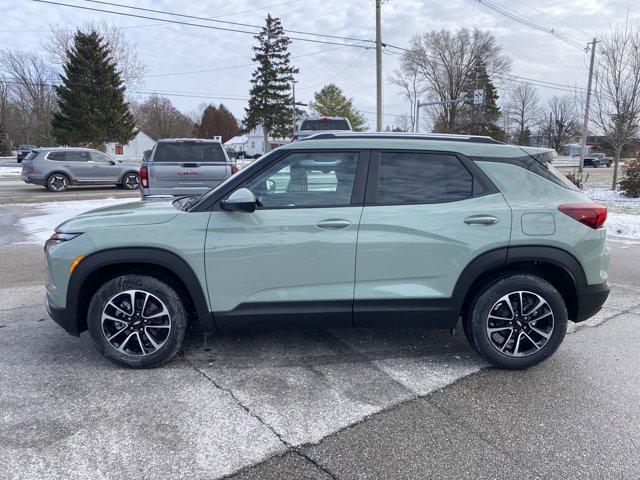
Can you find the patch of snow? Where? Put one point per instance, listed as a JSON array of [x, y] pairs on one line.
[[623, 213], [39, 227], [10, 171]]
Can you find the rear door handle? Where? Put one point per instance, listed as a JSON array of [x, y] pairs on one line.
[[333, 224], [481, 220]]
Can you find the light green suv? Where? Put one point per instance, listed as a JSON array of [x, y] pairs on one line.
[[364, 230]]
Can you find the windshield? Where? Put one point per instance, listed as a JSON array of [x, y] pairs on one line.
[[182, 152], [325, 124]]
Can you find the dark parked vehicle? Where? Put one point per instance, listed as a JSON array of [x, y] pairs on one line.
[[597, 159], [58, 168], [23, 151]]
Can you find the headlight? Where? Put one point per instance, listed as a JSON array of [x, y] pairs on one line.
[[58, 238]]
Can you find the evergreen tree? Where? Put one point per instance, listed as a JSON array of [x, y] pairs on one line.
[[270, 102], [330, 101], [216, 121], [91, 105], [481, 119]]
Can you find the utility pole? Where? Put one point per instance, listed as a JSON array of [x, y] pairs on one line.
[[378, 68], [585, 125], [293, 112]]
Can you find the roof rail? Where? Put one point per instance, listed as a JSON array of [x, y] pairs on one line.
[[446, 137]]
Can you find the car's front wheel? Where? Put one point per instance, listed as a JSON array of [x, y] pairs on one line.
[[57, 182], [137, 321], [517, 321], [131, 181]]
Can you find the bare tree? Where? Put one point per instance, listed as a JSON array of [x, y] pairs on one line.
[[411, 88], [444, 64], [123, 51], [523, 111], [404, 123], [561, 122], [158, 118], [30, 99], [616, 96]]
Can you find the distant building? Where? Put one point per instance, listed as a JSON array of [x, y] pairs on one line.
[[252, 143], [134, 150]]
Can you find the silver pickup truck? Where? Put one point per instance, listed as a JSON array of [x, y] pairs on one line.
[[313, 125], [184, 166]]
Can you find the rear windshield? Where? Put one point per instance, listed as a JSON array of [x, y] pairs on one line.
[[325, 124], [32, 154], [189, 152], [26, 147]]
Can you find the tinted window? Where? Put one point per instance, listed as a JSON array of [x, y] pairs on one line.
[[189, 152], [324, 124], [422, 178], [68, 156], [307, 179], [100, 157]]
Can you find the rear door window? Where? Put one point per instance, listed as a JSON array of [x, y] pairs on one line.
[[189, 152], [418, 178]]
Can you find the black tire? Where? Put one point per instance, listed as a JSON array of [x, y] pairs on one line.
[[159, 290], [131, 181], [477, 322], [57, 182]]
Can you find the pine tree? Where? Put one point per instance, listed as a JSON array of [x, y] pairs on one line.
[[481, 119], [270, 102], [91, 105], [330, 101]]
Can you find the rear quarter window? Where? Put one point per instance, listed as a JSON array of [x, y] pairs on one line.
[[189, 152]]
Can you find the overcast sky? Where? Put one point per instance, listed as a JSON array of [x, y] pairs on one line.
[[174, 49]]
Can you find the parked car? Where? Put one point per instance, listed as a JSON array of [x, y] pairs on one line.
[[310, 126], [374, 230], [597, 159], [23, 151], [58, 168], [185, 166]]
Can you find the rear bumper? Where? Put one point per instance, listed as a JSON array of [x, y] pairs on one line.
[[591, 298], [62, 316]]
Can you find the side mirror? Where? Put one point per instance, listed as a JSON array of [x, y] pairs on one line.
[[242, 200]]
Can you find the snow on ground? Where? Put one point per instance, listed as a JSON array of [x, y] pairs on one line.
[[10, 171], [39, 227], [623, 213]]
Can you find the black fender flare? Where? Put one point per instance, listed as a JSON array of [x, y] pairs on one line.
[[502, 258], [149, 255]]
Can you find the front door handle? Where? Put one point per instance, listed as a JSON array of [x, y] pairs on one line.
[[333, 224], [481, 220]]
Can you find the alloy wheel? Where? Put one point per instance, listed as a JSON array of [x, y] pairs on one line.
[[520, 324], [131, 181], [136, 322], [58, 183]]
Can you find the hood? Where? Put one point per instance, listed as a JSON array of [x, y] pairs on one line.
[[135, 213]]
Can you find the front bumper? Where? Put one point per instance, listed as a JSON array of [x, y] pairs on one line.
[[62, 316], [591, 298]]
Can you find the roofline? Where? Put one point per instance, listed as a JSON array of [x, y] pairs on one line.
[[447, 137]]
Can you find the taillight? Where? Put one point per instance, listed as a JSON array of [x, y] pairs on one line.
[[294, 138], [590, 214], [234, 169], [144, 177], [30, 168]]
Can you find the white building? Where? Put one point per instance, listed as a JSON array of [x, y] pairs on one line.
[[252, 143], [134, 150]]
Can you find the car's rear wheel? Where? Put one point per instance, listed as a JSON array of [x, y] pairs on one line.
[[131, 181], [517, 321], [137, 321], [57, 182]]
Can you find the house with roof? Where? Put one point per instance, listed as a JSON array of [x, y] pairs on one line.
[[132, 151], [252, 143]]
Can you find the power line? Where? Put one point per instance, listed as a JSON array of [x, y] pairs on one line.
[[554, 17], [213, 19], [178, 22], [346, 67], [529, 23]]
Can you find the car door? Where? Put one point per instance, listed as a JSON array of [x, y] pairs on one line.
[[427, 215], [105, 169], [292, 261], [74, 163]]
